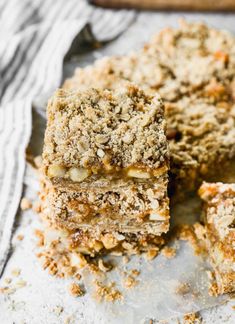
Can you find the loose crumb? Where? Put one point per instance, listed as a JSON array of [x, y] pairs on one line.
[[135, 272], [183, 288], [192, 318], [125, 259], [7, 280], [58, 310], [20, 237], [151, 254], [104, 266], [37, 207], [168, 252], [69, 319], [16, 272], [25, 204], [93, 268], [107, 292], [130, 282], [20, 284], [39, 234], [77, 276], [76, 290], [7, 290]]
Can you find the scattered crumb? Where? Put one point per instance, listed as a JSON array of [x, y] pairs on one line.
[[20, 237], [16, 272], [20, 284], [7, 280], [7, 290], [76, 290], [151, 254], [39, 234], [25, 204], [12, 289], [233, 307], [104, 266], [38, 161], [58, 310], [130, 282], [125, 259], [78, 276], [168, 252], [37, 206], [135, 272], [69, 320], [183, 288], [192, 318], [107, 292], [213, 289], [93, 268]]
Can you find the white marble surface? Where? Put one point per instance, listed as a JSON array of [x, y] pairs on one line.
[[38, 302]]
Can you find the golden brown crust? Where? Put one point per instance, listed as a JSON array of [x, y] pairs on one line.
[[220, 231]]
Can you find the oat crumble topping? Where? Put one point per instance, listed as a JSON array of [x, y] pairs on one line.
[[219, 235], [99, 129]]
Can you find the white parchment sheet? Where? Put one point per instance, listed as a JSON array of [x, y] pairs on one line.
[[155, 296]]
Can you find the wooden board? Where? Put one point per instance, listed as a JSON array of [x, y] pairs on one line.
[[194, 5]]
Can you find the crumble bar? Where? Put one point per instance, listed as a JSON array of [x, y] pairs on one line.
[[219, 220], [193, 70], [119, 195], [99, 133]]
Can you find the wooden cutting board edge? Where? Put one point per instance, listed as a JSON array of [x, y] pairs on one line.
[[177, 5]]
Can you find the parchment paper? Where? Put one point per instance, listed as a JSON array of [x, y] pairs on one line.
[[155, 296]]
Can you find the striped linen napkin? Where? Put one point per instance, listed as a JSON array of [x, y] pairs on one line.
[[35, 37]]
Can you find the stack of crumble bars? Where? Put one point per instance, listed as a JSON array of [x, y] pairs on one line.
[[106, 156], [105, 165]]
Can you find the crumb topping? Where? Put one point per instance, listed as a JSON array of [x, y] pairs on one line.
[[98, 128]]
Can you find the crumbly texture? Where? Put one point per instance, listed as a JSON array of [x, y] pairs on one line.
[[125, 207], [192, 318], [76, 290], [107, 292], [193, 69], [130, 282], [168, 252], [219, 218], [104, 131], [86, 242], [105, 164]]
